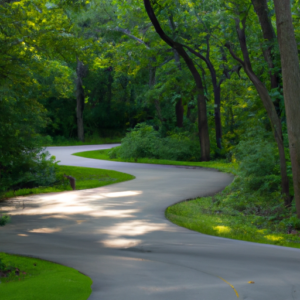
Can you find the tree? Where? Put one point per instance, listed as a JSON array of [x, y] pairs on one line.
[[263, 12], [240, 25], [202, 110], [291, 81]]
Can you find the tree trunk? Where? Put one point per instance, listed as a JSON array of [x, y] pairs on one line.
[[202, 111], [218, 122], [291, 81], [263, 13], [80, 71], [179, 111], [268, 104], [217, 92], [152, 82]]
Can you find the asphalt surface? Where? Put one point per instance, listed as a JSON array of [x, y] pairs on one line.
[[118, 235]]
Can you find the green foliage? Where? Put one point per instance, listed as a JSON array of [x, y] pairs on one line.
[[145, 142], [196, 215], [259, 163], [4, 219]]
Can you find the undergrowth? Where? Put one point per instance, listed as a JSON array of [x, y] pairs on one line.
[[238, 215]]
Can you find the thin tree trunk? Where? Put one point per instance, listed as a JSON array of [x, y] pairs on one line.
[[179, 113], [202, 111], [152, 82], [217, 92], [291, 81], [268, 104], [80, 71], [263, 13], [218, 122], [178, 107]]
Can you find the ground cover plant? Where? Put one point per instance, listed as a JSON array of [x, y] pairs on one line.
[[23, 278], [238, 215], [86, 178]]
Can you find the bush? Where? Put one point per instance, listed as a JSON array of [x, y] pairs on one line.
[[3, 220], [33, 169], [144, 142], [259, 162]]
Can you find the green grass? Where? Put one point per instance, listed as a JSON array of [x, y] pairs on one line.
[[88, 141], [42, 280], [208, 215], [104, 155], [86, 178]]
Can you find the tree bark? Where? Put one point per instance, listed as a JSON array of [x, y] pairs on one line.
[[202, 111], [291, 80], [80, 71], [217, 92], [263, 13], [152, 81], [268, 104], [179, 111]]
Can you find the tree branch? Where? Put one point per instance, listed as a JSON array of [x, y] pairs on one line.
[[127, 32]]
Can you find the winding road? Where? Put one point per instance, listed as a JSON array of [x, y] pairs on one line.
[[118, 235]]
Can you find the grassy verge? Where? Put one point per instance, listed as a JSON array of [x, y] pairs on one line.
[[86, 178], [88, 141], [104, 155], [237, 215], [34, 279]]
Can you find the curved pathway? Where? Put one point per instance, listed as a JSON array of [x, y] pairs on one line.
[[118, 236]]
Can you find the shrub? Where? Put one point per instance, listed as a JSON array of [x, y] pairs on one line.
[[33, 169], [144, 142], [3, 220], [259, 163]]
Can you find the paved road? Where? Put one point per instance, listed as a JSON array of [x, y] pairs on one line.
[[118, 236]]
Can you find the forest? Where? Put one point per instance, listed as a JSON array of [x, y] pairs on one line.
[[183, 80]]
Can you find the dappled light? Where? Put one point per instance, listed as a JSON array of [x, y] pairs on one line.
[[123, 194], [273, 237], [45, 230], [222, 229], [91, 203], [120, 243], [133, 228]]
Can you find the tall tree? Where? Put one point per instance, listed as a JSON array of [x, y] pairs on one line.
[[81, 73], [201, 101], [291, 81], [262, 10], [266, 100]]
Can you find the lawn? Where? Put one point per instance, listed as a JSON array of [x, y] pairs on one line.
[[104, 155], [86, 178], [35, 279], [198, 215]]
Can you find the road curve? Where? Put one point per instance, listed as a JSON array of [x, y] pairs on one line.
[[118, 236]]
